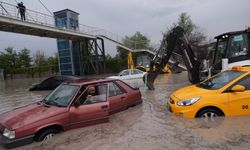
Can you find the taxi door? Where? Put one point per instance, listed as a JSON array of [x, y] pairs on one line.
[[94, 112], [239, 102]]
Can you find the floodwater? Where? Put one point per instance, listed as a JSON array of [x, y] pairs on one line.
[[148, 126]]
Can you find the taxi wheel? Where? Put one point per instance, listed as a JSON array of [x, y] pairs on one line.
[[209, 114]]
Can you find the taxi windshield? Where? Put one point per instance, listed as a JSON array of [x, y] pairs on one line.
[[220, 80]]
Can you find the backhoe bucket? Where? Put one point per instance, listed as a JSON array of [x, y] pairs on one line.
[[149, 79]]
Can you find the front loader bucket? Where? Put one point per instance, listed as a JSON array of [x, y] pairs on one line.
[[149, 79]]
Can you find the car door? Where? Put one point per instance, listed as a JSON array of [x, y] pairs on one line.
[[83, 114], [117, 98], [239, 102]]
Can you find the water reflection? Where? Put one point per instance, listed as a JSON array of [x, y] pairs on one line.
[[14, 93]]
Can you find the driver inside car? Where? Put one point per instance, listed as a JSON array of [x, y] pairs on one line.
[[90, 93], [87, 97]]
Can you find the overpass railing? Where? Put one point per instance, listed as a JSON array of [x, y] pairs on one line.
[[12, 11]]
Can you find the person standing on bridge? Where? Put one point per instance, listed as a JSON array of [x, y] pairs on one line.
[[22, 10]]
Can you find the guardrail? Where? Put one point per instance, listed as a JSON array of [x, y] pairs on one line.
[[12, 11]]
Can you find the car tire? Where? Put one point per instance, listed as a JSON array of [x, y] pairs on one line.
[[46, 135], [209, 118], [209, 114]]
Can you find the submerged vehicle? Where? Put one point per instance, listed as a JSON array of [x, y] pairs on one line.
[[232, 48], [71, 105], [51, 83], [225, 94]]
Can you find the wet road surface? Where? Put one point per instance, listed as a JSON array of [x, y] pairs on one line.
[[148, 126]]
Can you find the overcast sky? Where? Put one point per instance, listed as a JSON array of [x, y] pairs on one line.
[[125, 17]]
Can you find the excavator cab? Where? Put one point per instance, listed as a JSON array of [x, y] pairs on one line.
[[233, 46], [143, 62]]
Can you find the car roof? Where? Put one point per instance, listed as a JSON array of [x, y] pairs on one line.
[[232, 33], [89, 81]]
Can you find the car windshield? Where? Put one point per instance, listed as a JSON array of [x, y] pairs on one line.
[[220, 80], [123, 73], [61, 96]]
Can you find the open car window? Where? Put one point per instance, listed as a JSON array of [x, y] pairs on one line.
[[93, 94]]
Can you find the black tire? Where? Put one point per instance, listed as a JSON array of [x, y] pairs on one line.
[[46, 134], [214, 118], [209, 113]]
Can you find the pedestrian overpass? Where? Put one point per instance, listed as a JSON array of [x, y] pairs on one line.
[[89, 38]]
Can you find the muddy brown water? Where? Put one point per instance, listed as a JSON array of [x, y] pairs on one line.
[[148, 126]]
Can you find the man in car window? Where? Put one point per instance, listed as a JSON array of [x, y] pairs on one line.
[[91, 91]]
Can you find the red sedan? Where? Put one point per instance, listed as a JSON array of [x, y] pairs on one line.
[[71, 105]]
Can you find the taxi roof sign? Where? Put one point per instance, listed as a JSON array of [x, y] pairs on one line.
[[237, 68]]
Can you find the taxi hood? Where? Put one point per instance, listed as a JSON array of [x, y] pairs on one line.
[[191, 91], [29, 114]]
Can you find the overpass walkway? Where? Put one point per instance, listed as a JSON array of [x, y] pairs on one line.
[[43, 25]]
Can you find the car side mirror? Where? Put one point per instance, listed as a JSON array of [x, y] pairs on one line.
[[238, 88]]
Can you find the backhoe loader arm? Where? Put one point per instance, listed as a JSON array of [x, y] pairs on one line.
[[176, 39]]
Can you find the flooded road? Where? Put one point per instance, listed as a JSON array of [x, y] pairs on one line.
[[148, 126]]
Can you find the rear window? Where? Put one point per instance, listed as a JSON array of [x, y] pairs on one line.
[[220, 80]]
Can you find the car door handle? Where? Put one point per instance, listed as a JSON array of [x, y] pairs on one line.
[[104, 106], [122, 97]]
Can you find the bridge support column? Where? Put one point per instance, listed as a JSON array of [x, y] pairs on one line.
[[93, 57]]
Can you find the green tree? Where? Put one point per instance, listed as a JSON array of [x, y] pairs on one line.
[[192, 31], [24, 58], [53, 62], [9, 60], [40, 59], [136, 41]]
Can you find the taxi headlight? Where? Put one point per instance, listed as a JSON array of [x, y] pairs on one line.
[[9, 134], [188, 102]]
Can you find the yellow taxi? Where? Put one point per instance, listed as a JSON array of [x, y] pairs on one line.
[[226, 94]]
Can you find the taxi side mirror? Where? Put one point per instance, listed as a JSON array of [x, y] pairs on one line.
[[238, 88]]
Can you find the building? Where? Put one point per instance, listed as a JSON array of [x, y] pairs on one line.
[[68, 51], [78, 57]]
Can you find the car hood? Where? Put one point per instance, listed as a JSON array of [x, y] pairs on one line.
[[29, 114], [192, 91]]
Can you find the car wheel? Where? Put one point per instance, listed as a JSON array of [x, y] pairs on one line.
[[46, 135], [209, 114]]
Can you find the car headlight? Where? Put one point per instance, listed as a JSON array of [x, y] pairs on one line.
[[9, 134], [188, 102]]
